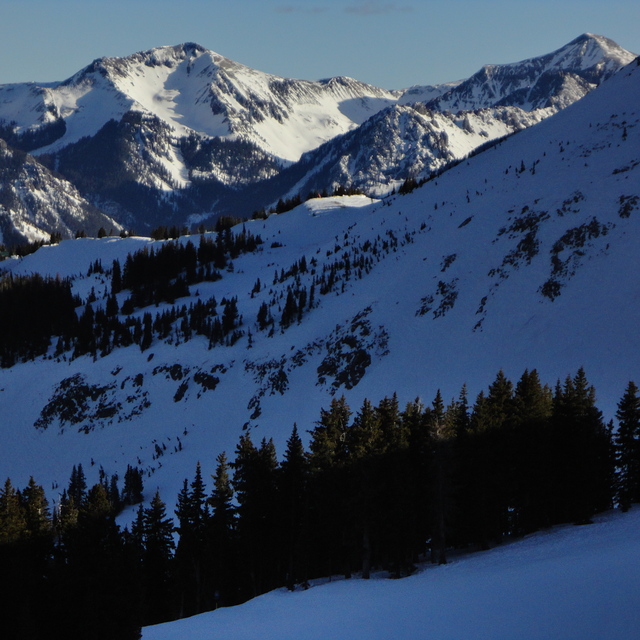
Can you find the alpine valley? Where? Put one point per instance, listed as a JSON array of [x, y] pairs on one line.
[[497, 228]]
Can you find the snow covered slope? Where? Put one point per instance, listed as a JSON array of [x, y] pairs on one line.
[[569, 583], [524, 256]]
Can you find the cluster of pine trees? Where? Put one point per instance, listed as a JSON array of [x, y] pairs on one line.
[[70, 571], [34, 309], [378, 489]]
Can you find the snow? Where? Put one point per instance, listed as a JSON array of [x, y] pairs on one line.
[[72, 258], [426, 93], [563, 584]]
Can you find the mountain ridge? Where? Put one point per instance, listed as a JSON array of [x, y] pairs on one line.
[[188, 134]]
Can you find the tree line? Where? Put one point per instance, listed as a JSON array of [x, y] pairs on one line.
[[378, 489], [35, 309]]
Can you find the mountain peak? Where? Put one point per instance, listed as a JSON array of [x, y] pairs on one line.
[[590, 50]]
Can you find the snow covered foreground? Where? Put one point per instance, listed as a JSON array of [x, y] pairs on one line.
[[567, 583]]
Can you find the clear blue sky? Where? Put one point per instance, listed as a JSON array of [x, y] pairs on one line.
[[389, 44]]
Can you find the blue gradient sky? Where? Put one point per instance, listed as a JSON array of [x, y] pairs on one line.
[[389, 44]]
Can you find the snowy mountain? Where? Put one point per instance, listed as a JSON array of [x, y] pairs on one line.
[[434, 125], [34, 203], [511, 260], [400, 142], [551, 81], [194, 90], [180, 134], [175, 117]]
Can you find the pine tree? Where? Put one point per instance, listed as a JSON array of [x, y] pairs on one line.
[[393, 435], [147, 332], [330, 493], [365, 437], [486, 463], [329, 437], [221, 534], [290, 310], [26, 551], [36, 510], [157, 562], [627, 442], [531, 440], [91, 574], [116, 278], [254, 480], [583, 453], [13, 524], [66, 514], [132, 492], [77, 486], [416, 420], [192, 551], [293, 489], [442, 435]]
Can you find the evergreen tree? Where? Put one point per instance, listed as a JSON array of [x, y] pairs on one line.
[[36, 510], [583, 460], [392, 432], [192, 551], [116, 277], [132, 492], [77, 486], [66, 515], [26, 548], [157, 561], [221, 534], [230, 316], [486, 463], [329, 490], [416, 418], [531, 440], [442, 434], [329, 437], [93, 575], [254, 480], [365, 437], [627, 442], [293, 490], [13, 523]]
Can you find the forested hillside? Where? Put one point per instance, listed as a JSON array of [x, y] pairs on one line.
[[381, 488]]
